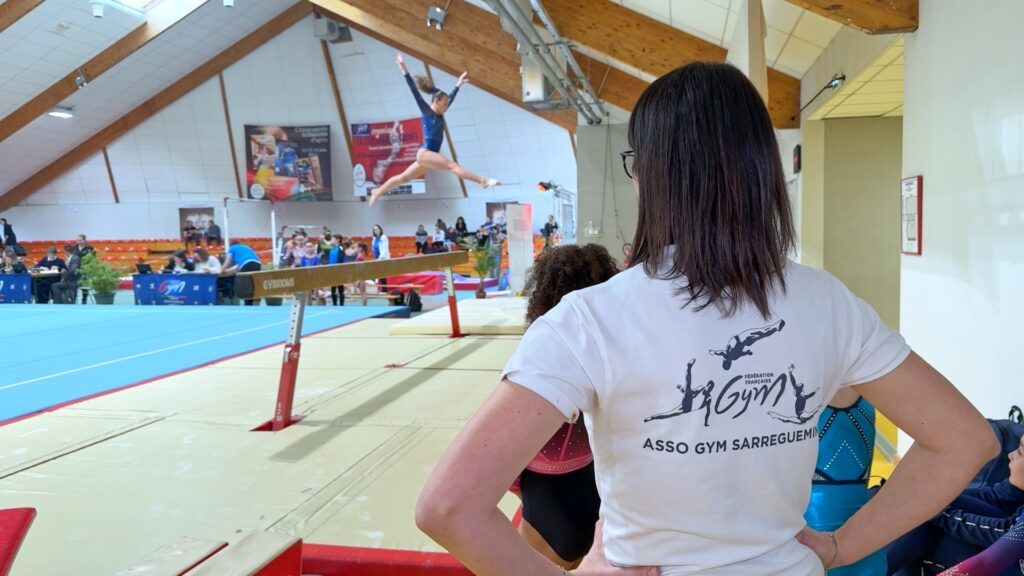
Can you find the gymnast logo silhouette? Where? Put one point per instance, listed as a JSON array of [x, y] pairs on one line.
[[689, 395], [801, 414], [737, 346]]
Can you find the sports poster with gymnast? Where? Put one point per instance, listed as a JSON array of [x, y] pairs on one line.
[[288, 163], [381, 150]]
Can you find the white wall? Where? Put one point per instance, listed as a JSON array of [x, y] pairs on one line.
[[963, 130], [181, 155]]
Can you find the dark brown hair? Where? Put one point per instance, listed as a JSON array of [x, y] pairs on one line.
[[711, 184], [565, 269]]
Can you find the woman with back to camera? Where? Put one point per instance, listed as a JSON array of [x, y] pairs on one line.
[[709, 305], [429, 156]]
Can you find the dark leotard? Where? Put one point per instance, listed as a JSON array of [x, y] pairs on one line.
[[433, 123]]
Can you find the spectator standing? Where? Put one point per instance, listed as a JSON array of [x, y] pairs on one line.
[[188, 234], [549, 230], [461, 231], [381, 251], [310, 257], [336, 255], [241, 258], [10, 238], [84, 249]]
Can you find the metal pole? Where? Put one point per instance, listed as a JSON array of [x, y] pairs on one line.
[[273, 235], [290, 365], [526, 43], [453, 305], [550, 25], [227, 230]]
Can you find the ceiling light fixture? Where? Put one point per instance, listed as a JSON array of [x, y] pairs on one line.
[[229, 3], [62, 112]]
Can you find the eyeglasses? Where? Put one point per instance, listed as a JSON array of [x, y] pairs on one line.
[[628, 158]]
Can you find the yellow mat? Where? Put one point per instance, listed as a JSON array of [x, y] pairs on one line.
[[490, 316]]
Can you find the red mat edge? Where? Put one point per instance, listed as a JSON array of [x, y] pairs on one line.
[[330, 560], [13, 528]]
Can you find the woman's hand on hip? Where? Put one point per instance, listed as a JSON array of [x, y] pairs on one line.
[[826, 548], [595, 563]]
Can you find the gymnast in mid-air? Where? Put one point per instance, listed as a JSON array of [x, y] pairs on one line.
[[429, 156]]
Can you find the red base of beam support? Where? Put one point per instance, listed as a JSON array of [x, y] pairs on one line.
[[347, 561], [453, 307]]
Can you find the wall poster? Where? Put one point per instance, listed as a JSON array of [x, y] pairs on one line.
[[381, 150], [288, 163]]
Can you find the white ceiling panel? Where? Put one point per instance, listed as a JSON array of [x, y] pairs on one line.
[[51, 41], [815, 29], [135, 79], [715, 21]]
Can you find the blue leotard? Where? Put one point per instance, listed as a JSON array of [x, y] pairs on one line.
[[846, 441], [433, 123]]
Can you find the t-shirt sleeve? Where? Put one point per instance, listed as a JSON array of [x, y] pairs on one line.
[[873, 350], [560, 360]]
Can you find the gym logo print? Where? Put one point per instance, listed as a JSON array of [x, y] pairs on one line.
[[172, 287], [737, 346], [736, 396]]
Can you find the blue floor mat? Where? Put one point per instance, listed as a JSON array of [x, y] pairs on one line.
[[57, 354]]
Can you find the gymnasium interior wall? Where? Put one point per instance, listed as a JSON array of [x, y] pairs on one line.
[[181, 156], [963, 132]]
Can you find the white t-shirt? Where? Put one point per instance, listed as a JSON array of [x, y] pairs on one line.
[[704, 428], [211, 266]]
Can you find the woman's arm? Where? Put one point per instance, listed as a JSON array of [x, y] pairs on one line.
[[952, 442], [458, 506]]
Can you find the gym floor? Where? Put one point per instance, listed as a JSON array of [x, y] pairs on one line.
[[119, 475]]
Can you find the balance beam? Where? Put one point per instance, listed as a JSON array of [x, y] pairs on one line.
[[299, 281], [254, 285]]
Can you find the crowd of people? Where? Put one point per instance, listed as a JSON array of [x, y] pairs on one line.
[[55, 279]]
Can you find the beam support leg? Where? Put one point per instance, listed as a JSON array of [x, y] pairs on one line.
[[290, 365], [453, 306]]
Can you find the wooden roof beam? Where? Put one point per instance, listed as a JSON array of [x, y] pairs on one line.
[[147, 109], [656, 48], [472, 40], [12, 10], [871, 16]]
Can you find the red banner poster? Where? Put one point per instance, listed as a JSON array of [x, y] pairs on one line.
[[381, 150]]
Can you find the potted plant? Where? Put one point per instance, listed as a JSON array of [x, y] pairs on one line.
[[100, 278], [483, 260]]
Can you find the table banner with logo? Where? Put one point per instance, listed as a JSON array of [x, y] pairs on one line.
[[15, 289], [175, 289]]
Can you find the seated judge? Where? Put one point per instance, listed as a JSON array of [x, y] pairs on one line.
[[12, 264], [178, 263], [49, 263], [206, 263]]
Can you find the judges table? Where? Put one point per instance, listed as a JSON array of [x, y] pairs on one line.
[[175, 289], [15, 289]]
